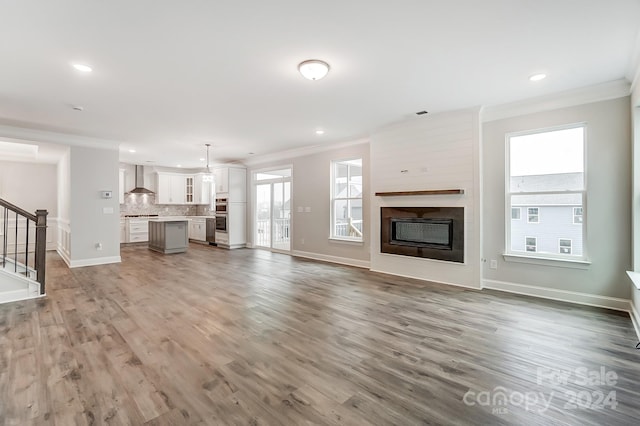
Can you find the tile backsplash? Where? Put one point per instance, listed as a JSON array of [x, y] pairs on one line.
[[145, 204]]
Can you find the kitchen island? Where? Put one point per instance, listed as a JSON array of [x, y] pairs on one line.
[[169, 235]]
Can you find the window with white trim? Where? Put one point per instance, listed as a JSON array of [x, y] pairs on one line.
[[346, 200], [531, 244], [577, 215], [515, 213], [564, 246], [546, 175]]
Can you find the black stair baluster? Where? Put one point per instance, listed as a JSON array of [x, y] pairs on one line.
[[15, 250], [26, 251]]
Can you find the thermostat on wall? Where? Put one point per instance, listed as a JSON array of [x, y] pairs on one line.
[[107, 194]]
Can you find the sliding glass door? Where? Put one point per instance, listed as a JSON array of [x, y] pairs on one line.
[[272, 227]]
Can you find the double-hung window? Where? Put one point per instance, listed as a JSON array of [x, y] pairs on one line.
[[346, 199], [546, 179]]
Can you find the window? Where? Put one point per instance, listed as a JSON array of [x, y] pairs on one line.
[[546, 176], [531, 244], [515, 213], [346, 199], [577, 215], [564, 246]]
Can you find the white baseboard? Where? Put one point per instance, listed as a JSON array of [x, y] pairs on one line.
[[333, 259], [560, 295], [64, 255], [426, 279], [94, 261]]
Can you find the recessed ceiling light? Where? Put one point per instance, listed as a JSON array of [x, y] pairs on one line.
[[313, 69], [132, 151], [319, 132], [179, 165], [202, 159], [538, 77], [82, 67]]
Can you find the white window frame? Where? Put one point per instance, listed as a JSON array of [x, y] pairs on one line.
[[560, 240], [535, 239], [332, 235], [548, 259], [537, 215], [519, 210]]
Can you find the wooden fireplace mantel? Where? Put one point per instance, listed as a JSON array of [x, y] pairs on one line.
[[425, 192]]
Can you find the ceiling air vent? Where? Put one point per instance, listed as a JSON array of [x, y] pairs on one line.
[[421, 112]]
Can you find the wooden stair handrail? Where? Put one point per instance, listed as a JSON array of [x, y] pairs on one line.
[[40, 220]]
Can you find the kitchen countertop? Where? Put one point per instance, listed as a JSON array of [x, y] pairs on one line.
[[168, 219]]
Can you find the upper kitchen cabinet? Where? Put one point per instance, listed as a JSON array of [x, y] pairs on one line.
[[231, 183], [177, 188], [172, 189]]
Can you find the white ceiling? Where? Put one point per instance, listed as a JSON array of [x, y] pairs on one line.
[[170, 76]]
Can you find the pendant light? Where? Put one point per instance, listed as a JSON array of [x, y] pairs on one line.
[[209, 176]]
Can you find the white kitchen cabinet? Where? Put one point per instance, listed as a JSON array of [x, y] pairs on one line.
[[231, 183], [198, 229], [172, 188], [121, 187], [137, 230], [123, 231]]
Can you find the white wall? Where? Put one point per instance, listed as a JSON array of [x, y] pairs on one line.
[[32, 186], [64, 207], [635, 117], [311, 187], [608, 219], [438, 151], [93, 170]]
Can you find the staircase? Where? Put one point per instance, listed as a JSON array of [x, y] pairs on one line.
[[23, 239]]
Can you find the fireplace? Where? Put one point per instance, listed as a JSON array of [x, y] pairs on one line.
[[428, 232]]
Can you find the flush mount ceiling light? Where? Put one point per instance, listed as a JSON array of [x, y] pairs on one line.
[[132, 151], [313, 69], [82, 67], [538, 77], [319, 132]]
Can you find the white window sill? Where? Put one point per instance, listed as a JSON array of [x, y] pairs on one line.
[[547, 261], [346, 241]]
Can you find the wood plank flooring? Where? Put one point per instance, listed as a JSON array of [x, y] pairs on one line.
[[247, 337]]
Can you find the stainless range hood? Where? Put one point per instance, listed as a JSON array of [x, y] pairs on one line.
[[140, 189]]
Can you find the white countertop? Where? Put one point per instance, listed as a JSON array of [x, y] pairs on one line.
[[168, 219]]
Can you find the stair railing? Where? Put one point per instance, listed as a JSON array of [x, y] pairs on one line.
[[15, 245]]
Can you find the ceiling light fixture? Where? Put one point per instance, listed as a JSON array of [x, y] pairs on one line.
[[82, 67], [319, 132], [538, 77], [208, 177], [132, 151], [179, 165], [313, 69]]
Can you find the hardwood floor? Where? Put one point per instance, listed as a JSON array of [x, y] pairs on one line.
[[250, 337]]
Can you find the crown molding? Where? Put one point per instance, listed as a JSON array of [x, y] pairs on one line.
[[42, 136], [300, 152], [584, 95]]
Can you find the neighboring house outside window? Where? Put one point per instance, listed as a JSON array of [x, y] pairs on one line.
[[515, 213], [546, 177], [346, 200]]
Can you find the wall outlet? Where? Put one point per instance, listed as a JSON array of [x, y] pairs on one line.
[[493, 264], [98, 246]]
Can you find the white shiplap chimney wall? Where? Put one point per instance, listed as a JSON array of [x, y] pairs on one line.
[[441, 151]]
